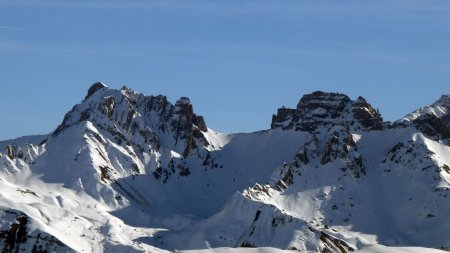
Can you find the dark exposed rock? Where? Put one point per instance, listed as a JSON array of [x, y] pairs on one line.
[[247, 244], [9, 152], [288, 177], [94, 88], [283, 118], [331, 150], [332, 244], [109, 106], [343, 147], [183, 124], [161, 106], [333, 102], [327, 109], [302, 156], [349, 140], [366, 114], [105, 174], [84, 115], [13, 151], [433, 126], [446, 168], [185, 127], [130, 117], [16, 237], [199, 121]]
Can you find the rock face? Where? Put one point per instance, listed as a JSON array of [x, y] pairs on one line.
[[327, 109], [94, 88], [433, 120], [188, 126], [15, 236]]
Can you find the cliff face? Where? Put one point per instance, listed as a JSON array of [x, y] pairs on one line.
[[433, 120], [322, 109]]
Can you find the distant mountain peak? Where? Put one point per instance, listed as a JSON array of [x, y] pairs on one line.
[[327, 108], [323, 99], [132, 115]]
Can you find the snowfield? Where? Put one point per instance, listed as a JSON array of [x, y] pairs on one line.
[[125, 172], [370, 249]]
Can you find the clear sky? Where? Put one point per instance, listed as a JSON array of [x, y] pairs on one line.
[[238, 61]]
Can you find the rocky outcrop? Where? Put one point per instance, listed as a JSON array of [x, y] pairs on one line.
[[339, 145], [366, 115], [284, 118], [433, 126], [14, 151], [94, 88], [15, 236], [331, 118], [185, 128], [323, 109], [25, 152], [433, 120]]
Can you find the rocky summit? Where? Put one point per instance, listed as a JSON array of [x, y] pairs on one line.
[[328, 109], [127, 172]]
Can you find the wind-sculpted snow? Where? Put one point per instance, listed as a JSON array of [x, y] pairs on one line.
[[125, 172]]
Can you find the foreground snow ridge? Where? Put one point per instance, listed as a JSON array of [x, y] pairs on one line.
[[126, 172]]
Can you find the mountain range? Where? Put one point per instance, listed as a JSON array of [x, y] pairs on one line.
[[126, 172]]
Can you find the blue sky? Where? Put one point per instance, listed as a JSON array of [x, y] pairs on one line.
[[238, 61]]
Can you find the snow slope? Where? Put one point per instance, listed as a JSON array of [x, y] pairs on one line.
[[125, 172], [370, 249]]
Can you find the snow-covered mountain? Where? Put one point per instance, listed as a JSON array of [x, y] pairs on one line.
[[125, 172]]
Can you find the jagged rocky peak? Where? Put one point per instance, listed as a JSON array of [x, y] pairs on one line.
[[432, 120], [184, 108], [128, 115], [328, 109]]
